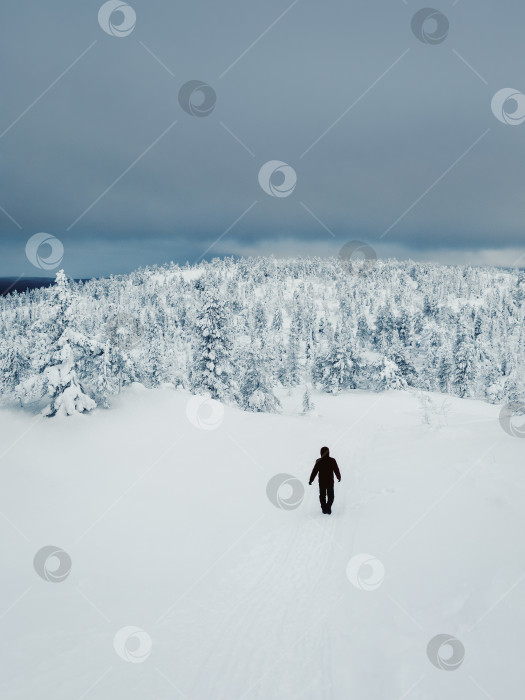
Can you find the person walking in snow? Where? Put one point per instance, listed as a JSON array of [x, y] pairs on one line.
[[325, 467]]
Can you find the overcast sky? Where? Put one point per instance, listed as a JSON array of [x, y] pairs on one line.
[[393, 141]]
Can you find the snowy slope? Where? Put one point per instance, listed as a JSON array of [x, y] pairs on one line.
[[169, 529]]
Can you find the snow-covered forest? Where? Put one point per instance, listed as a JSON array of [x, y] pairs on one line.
[[239, 329]]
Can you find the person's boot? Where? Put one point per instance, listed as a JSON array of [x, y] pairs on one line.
[[328, 510]]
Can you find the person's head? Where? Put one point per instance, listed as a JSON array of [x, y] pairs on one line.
[[325, 452]]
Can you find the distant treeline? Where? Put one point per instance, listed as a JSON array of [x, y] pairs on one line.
[[238, 330], [8, 285]]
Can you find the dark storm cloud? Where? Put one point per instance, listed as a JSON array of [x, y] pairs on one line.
[[408, 135]]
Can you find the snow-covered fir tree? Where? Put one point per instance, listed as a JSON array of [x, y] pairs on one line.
[[338, 369], [256, 393], [308, 404], [398, 355], [211, 370], [58, 377], [463, 363], [390, 376]]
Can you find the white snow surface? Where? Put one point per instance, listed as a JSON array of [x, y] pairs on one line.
[[169, 529]]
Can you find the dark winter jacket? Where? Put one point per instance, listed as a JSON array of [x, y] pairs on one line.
[[326, 467]]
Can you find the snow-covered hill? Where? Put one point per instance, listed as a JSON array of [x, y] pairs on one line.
[[243, 329], [167, 527]]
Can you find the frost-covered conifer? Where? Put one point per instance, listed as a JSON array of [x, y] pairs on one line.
[[390, 376], [256, 393], [308, 404], [211, 370], [463, 364], [59, 377], [277, 321], [338, 369]]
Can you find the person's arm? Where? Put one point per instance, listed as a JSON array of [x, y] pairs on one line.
[[314, 473], [336, 471]]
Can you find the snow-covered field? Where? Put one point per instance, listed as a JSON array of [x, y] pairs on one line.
[[170, 529]]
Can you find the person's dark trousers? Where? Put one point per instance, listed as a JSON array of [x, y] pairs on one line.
[[326, 496]]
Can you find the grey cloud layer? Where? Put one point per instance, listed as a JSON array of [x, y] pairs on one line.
[[296, 81]]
